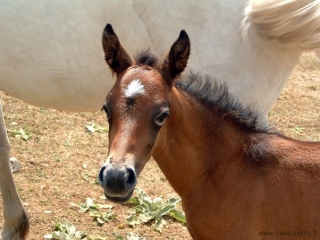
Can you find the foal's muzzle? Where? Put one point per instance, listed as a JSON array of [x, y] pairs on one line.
[[118, 182]]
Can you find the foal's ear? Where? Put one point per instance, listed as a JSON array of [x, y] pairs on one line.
[[176, 60], [115, 55]]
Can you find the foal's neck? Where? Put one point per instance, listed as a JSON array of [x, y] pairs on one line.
[[192, 141]]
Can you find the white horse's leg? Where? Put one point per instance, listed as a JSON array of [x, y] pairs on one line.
[[16, 222]]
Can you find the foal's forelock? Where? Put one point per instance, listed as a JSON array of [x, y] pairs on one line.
[[146, 57]]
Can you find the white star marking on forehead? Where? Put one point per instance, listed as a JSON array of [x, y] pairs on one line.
[[134, 88]]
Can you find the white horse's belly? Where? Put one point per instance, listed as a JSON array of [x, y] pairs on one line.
[[51, 53]]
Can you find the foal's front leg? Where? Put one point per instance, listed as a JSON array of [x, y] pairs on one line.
[[16, 221]]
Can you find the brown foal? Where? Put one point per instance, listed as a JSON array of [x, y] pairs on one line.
[[236, 179]]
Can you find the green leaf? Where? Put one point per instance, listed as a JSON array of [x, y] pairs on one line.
[[60, 236], [20, 134], [156, 203], [92, 237], [80, 234], [102, 217], [133, 236], [139, 209], [71, 229], [100, 220], [178, 215], [118, 236], [132, 221], [95, 214], [47, 236], [60, 227], [165, 210], [92, 128], [91, 205], [134, 201], [145, 218], [159, 224], [147, 203], [105, 206], [174, 201]]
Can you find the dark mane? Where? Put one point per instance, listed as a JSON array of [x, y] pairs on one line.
[[217, 96], [146, 57]]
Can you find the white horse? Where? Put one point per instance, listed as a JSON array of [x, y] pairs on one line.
[[51, 55]]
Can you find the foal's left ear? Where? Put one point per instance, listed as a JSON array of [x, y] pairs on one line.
[[176, 60], [115, 55]]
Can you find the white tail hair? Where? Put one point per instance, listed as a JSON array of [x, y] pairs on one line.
[[293, 22]]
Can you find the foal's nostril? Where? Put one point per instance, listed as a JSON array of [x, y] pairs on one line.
[[132, 178], [101, 174]]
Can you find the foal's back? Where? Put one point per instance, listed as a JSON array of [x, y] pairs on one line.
[[285, 190], [273, 188]]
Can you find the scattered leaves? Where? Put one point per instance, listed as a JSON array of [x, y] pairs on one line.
[[130, 236], [147, 210], [298, 129], [102, 218], [92, 128], [64, 230], [20, 134], [90, 205]]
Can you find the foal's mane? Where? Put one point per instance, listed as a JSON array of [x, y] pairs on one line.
[[216, 96], [213, 94]]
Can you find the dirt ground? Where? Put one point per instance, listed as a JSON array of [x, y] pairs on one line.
[[61, 160]]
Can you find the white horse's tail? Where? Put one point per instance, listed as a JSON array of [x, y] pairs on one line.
[[289, 22]]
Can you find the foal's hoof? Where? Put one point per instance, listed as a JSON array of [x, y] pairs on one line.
[[15, 165]]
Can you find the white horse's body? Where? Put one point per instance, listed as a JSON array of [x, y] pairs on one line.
[[51, 51], [51, 55]]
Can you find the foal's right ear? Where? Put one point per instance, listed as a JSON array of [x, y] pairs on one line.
[[115, 55]]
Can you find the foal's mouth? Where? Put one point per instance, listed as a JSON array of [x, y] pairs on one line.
[[119, 199]]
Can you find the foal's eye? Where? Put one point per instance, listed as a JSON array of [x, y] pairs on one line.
[[106, 109], [159, 120]]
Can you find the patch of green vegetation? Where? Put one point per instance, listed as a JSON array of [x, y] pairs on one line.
[[95, 213], [298, 129], [20, 134], [148, 210], [64, 230], [130, 236], [93, 128]]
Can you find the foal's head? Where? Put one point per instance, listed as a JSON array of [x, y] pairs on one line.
[[137, 107]]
